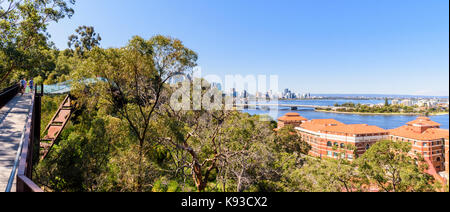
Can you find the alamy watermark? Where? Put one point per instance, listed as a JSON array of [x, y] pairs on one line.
[[235, 92]]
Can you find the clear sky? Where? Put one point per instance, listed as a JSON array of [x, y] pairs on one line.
[[315, 46]]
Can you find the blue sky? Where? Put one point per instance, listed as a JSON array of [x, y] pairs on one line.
[[315, 46]]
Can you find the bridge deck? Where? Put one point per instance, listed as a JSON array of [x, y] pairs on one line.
[[281, 105], [12, 122]]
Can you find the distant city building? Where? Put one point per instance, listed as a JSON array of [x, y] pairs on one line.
[[288, 94], [244, 94], [259, 95], [407, 103], [217, 85], [234, 93], [422, 103]]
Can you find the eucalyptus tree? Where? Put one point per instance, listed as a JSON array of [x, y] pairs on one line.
[[23, 32], [220, 150], [133, 84], [84, 39], [388, 165]]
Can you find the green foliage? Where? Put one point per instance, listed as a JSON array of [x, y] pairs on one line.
[[77, 163], [84, 40], [38, 80], [125, 137], [24, 42], [50, 105], [387, 108], [388, 165], [288, 140]]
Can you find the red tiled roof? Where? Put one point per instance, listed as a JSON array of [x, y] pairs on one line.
[[412, 130], [357, 129], [439, 132], [317, 125], [292, 117], [292, 114], [312, 127], [333, 126], [424, 121], [325, 122], [428, 135]]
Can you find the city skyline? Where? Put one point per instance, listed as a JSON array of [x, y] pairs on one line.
[[320, 47]]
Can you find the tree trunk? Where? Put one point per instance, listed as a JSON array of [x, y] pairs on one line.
[[140, 169], [6, 75], [198, 178]]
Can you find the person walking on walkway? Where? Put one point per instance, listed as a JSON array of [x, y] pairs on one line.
[[31, 84], [23, 86]]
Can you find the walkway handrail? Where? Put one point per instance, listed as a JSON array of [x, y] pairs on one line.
[[16, 161], [7, 94], [31, 140]]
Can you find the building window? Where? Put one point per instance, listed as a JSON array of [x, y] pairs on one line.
[[367, 146], [329, 144], [336, 144], [350, 157], [342, 146], [438, 159], [330, 154]]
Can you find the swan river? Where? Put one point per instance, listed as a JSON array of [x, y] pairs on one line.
[[383, 121]]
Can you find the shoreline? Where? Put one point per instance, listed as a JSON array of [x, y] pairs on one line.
[[381, 114]]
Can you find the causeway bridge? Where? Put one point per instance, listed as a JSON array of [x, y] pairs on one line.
[[270, 105]]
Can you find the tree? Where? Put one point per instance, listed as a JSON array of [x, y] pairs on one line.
[[226, 147], [23, 35], [133, 86], [388, 165], [319, 175], [85, 39], [288, 140], [77, 164]]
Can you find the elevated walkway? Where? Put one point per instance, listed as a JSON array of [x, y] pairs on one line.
[[13, 117]]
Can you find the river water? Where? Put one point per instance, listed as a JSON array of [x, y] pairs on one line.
[[383, 121]]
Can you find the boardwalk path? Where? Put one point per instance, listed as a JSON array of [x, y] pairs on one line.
[[12, 122]]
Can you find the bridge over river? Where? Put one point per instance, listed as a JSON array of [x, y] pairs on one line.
[[270, 105]]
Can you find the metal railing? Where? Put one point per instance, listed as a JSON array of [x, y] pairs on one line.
[[12, 177], [29, 148], [7, 94]]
